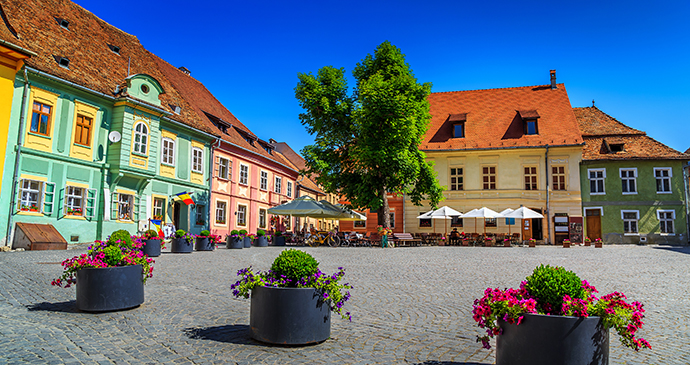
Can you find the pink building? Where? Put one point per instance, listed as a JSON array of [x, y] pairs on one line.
[[249, 176]]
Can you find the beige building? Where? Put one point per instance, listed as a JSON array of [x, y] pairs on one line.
[[505, 148]]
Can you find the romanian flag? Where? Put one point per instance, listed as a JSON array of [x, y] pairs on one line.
[[185, 197], [159, 226]]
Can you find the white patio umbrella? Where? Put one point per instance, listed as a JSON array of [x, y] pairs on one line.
[[483, 212], [503, 214], [523, 213], [444, 213]]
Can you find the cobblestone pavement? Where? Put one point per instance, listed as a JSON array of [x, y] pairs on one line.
[[409, 305]]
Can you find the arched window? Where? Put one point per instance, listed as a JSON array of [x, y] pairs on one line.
[[141, 137]]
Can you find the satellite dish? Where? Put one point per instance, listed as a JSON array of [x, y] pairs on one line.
[[114, 136]]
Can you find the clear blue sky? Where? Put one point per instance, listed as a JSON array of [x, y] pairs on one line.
[[632, 57]]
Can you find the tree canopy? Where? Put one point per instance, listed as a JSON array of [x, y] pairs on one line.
[[366, 142]]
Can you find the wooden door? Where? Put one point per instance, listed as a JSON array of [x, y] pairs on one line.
[[526, 229], [593, 227], [176, 215]]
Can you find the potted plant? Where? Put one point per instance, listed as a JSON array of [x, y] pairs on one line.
[[588, 242], [488, 241], [247, 239], [261, 240], [506, 242], [151, 243], [598, 243], [182, 242], [532, 242], [279, 239], [234, 240], [203, 243], [561, 310], [291, 303], [110, 276], [566, 243]]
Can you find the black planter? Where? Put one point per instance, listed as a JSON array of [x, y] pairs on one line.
[[110, 288], [279, 241], [180, 245], [152, 248], [234, 242], [247, 242], [204, 244], [542, 339], [289, 316], [261, 241]]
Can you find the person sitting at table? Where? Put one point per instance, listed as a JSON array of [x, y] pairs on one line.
[[454, 236]]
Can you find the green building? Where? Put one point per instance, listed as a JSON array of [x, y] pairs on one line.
[[98, 138], [633, 189]]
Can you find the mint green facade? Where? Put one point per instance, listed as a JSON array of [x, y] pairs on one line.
[[82, 188], [649, 206]]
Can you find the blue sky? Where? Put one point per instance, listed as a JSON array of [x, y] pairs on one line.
[[632, 57]]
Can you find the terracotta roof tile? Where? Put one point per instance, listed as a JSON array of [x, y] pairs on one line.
[[493, 120], [600, 129]]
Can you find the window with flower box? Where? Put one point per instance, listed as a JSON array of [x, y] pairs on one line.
[[125, 204], [30, 195], [158, 208], [242, 215], [262, 218], [74, 201], [221, 212]]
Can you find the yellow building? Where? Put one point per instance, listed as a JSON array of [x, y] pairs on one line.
[[505, 148]]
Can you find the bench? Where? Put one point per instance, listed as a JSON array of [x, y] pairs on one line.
[[405, 239]]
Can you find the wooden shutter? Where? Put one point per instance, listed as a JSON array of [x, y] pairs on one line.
[[48, 198], [113, 207], [90, 207], [216, 171]]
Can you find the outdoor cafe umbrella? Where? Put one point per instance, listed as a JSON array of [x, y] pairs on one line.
[[444, 213], [305, 206], [523, 213], [345, 214], [503, 214], [483, 212]]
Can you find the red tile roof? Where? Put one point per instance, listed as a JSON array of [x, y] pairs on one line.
[[599, 129], [493, 118]]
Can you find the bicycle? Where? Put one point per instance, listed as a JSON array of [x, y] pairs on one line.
[[321, 238]]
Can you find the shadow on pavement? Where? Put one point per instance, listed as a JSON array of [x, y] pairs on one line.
[[67, 307], [677, 249], [233, 333], [431, 362]]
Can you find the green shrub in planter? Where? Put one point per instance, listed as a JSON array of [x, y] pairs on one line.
[[235, 233], [243, 232], [295, 265], [549, 284], [260, 233], [122, 236], [150, 234], [204, 233]]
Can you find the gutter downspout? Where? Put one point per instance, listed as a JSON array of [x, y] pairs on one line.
[[548, 208], [18, 148], [685, 182], [100, 217], [210, 179]]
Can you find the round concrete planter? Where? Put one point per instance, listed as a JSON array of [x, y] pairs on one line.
[[547, 340], [279, 241], [152, 248], [289, 316], [180, 245], [110, 288], [204, 244], [247, 242], [234, 242], [261, 241]]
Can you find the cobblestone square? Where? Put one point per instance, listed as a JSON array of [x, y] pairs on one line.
[[409, 305]]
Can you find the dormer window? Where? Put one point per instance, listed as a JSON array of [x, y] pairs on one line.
[[63, 23], [115, 49], [458, 122], [62, 61], [617, 147], [529, 120]]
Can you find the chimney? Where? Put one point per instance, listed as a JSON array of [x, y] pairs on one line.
[[553, 80], [184, 69]]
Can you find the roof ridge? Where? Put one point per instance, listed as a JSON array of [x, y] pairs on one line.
[[612, 118], [496, 88]]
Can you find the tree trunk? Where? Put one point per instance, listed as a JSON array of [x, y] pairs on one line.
[[384, 216]]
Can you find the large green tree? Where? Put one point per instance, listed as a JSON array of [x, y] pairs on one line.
[[366, 142]]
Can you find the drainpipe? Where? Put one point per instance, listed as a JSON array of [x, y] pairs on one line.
[[210, 181], [687, 217], [100, 217], [548, 208], [22, 116]]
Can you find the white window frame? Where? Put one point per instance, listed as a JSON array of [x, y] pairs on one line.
[[626, 179], [39, 195], [278, 185], [603, 181], [221, 212], [241, 215], [637, 222], [197, 160], [670, 175], [263, 215], [600, 209], [158, 209], [70, 197], [244, 174], [673, 221], [223, 163], [289, 189], [119, 206], [168, 151], [263, 185], [140, 147]]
